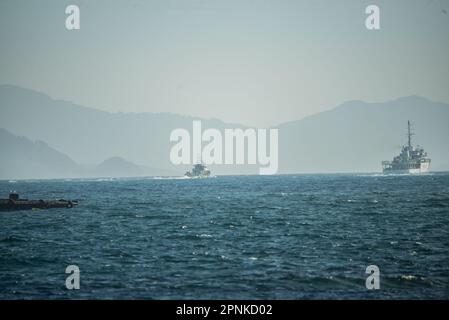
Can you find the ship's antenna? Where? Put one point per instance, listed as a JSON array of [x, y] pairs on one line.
[[410, 134]]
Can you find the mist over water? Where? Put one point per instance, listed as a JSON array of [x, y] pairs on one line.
[[245, 237]]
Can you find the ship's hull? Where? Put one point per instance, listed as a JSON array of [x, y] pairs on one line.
[[205, 174], [423, 169], [201, 176]]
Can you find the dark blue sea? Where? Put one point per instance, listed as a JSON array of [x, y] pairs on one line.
[[245, 237]]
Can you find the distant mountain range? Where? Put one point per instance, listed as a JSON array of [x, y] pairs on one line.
[[353, 137], [22, 158]]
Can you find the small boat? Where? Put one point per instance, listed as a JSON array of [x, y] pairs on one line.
[[13, 203], [199, 171]]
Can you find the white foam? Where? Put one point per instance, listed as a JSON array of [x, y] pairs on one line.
[[171, 178]]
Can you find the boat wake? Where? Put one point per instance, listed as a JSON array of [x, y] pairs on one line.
[[171, 178], [375, 175]]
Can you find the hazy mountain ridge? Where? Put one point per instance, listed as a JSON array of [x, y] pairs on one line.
[[353, 137], [88, 135], [21, 158]]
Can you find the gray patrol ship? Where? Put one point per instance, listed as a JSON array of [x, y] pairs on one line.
[[411, 160]]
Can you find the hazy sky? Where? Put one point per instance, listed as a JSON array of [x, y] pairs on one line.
[[253, 62]]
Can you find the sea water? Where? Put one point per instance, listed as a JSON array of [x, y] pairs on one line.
[[242, 237]]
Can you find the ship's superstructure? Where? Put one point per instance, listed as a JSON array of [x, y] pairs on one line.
[[411, 160]]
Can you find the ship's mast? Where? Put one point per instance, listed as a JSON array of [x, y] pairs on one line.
[[410, 134]]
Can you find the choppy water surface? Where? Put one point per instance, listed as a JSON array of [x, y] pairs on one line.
[[278, 237]]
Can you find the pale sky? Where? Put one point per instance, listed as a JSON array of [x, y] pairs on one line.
[[254, 62]]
